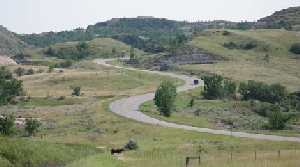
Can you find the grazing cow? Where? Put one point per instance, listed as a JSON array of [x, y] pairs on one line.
[[113, 151]]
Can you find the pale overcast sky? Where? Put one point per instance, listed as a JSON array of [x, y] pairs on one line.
[[36, 16]]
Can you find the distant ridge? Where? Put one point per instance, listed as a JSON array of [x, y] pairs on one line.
[[288, 19]]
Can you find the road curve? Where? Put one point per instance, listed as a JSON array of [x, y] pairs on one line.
[[130, 108]]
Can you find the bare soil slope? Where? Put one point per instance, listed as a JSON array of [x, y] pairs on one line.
[[4, 60]]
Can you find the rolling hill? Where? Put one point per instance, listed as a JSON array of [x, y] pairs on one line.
[[287, 18], [96, 48], [261, 55], [9, 43]]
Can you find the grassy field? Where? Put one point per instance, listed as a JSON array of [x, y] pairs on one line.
[[282, 67]]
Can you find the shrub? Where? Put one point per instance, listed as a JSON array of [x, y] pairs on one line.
[[131, 145], [62, 98], [225, 33], [167, 65], [295, 48], [231, 45], [76, 90], [191, 103], [30, 71], [249, 45], [19, 71], [31, 126]]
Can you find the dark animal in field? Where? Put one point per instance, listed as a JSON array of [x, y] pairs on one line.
[[196, 82], [113, 151]]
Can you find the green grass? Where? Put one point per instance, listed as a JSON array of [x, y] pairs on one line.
[[92, 125], [48, 101], [99, 48], [94, 82], [246, 65]]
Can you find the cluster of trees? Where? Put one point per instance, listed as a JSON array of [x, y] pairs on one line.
[[278, 25], [9, 86], [246, 46], [82, 51], [66, 64], [240, 26], [7, 124], [50, 38], [216, 88], [177, 42], [276, 95], [148, 34], [22, 71]]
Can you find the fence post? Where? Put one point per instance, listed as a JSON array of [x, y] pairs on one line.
[[278, 153], [187, 159], [255, 154], [199, 159], [231, 156]]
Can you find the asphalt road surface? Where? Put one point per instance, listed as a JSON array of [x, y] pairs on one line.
[[130, 108]]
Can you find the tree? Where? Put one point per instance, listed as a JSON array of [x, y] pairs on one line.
[[82, 51], [132, 55], [20, 71], [275, 93], [212, 87], [50, 69], [6, 123], [191, 103], [76, 90], [30, 71], [277, 119], [9, 86], [50, 52], [114, 51], [229, 89], [278, 93], [165, 97], [32, 125]]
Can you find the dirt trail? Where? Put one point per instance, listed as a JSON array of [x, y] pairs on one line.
[[130, 108]]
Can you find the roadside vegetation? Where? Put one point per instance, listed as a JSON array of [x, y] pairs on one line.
[[54, 109]]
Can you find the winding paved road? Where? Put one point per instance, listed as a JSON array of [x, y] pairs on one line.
[[130, 107]]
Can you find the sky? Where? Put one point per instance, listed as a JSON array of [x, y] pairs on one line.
[[36, 16]]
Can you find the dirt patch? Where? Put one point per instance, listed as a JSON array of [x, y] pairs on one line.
[[4, 60], [186, 54]]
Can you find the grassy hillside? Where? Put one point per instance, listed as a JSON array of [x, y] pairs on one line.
[[90, 124], [145, 33], [9, 43], [287, 18], [97, 48], [270, 61]]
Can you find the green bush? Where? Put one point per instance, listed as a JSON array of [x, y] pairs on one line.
[[76, 90], [132, 145], [295, 48]]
